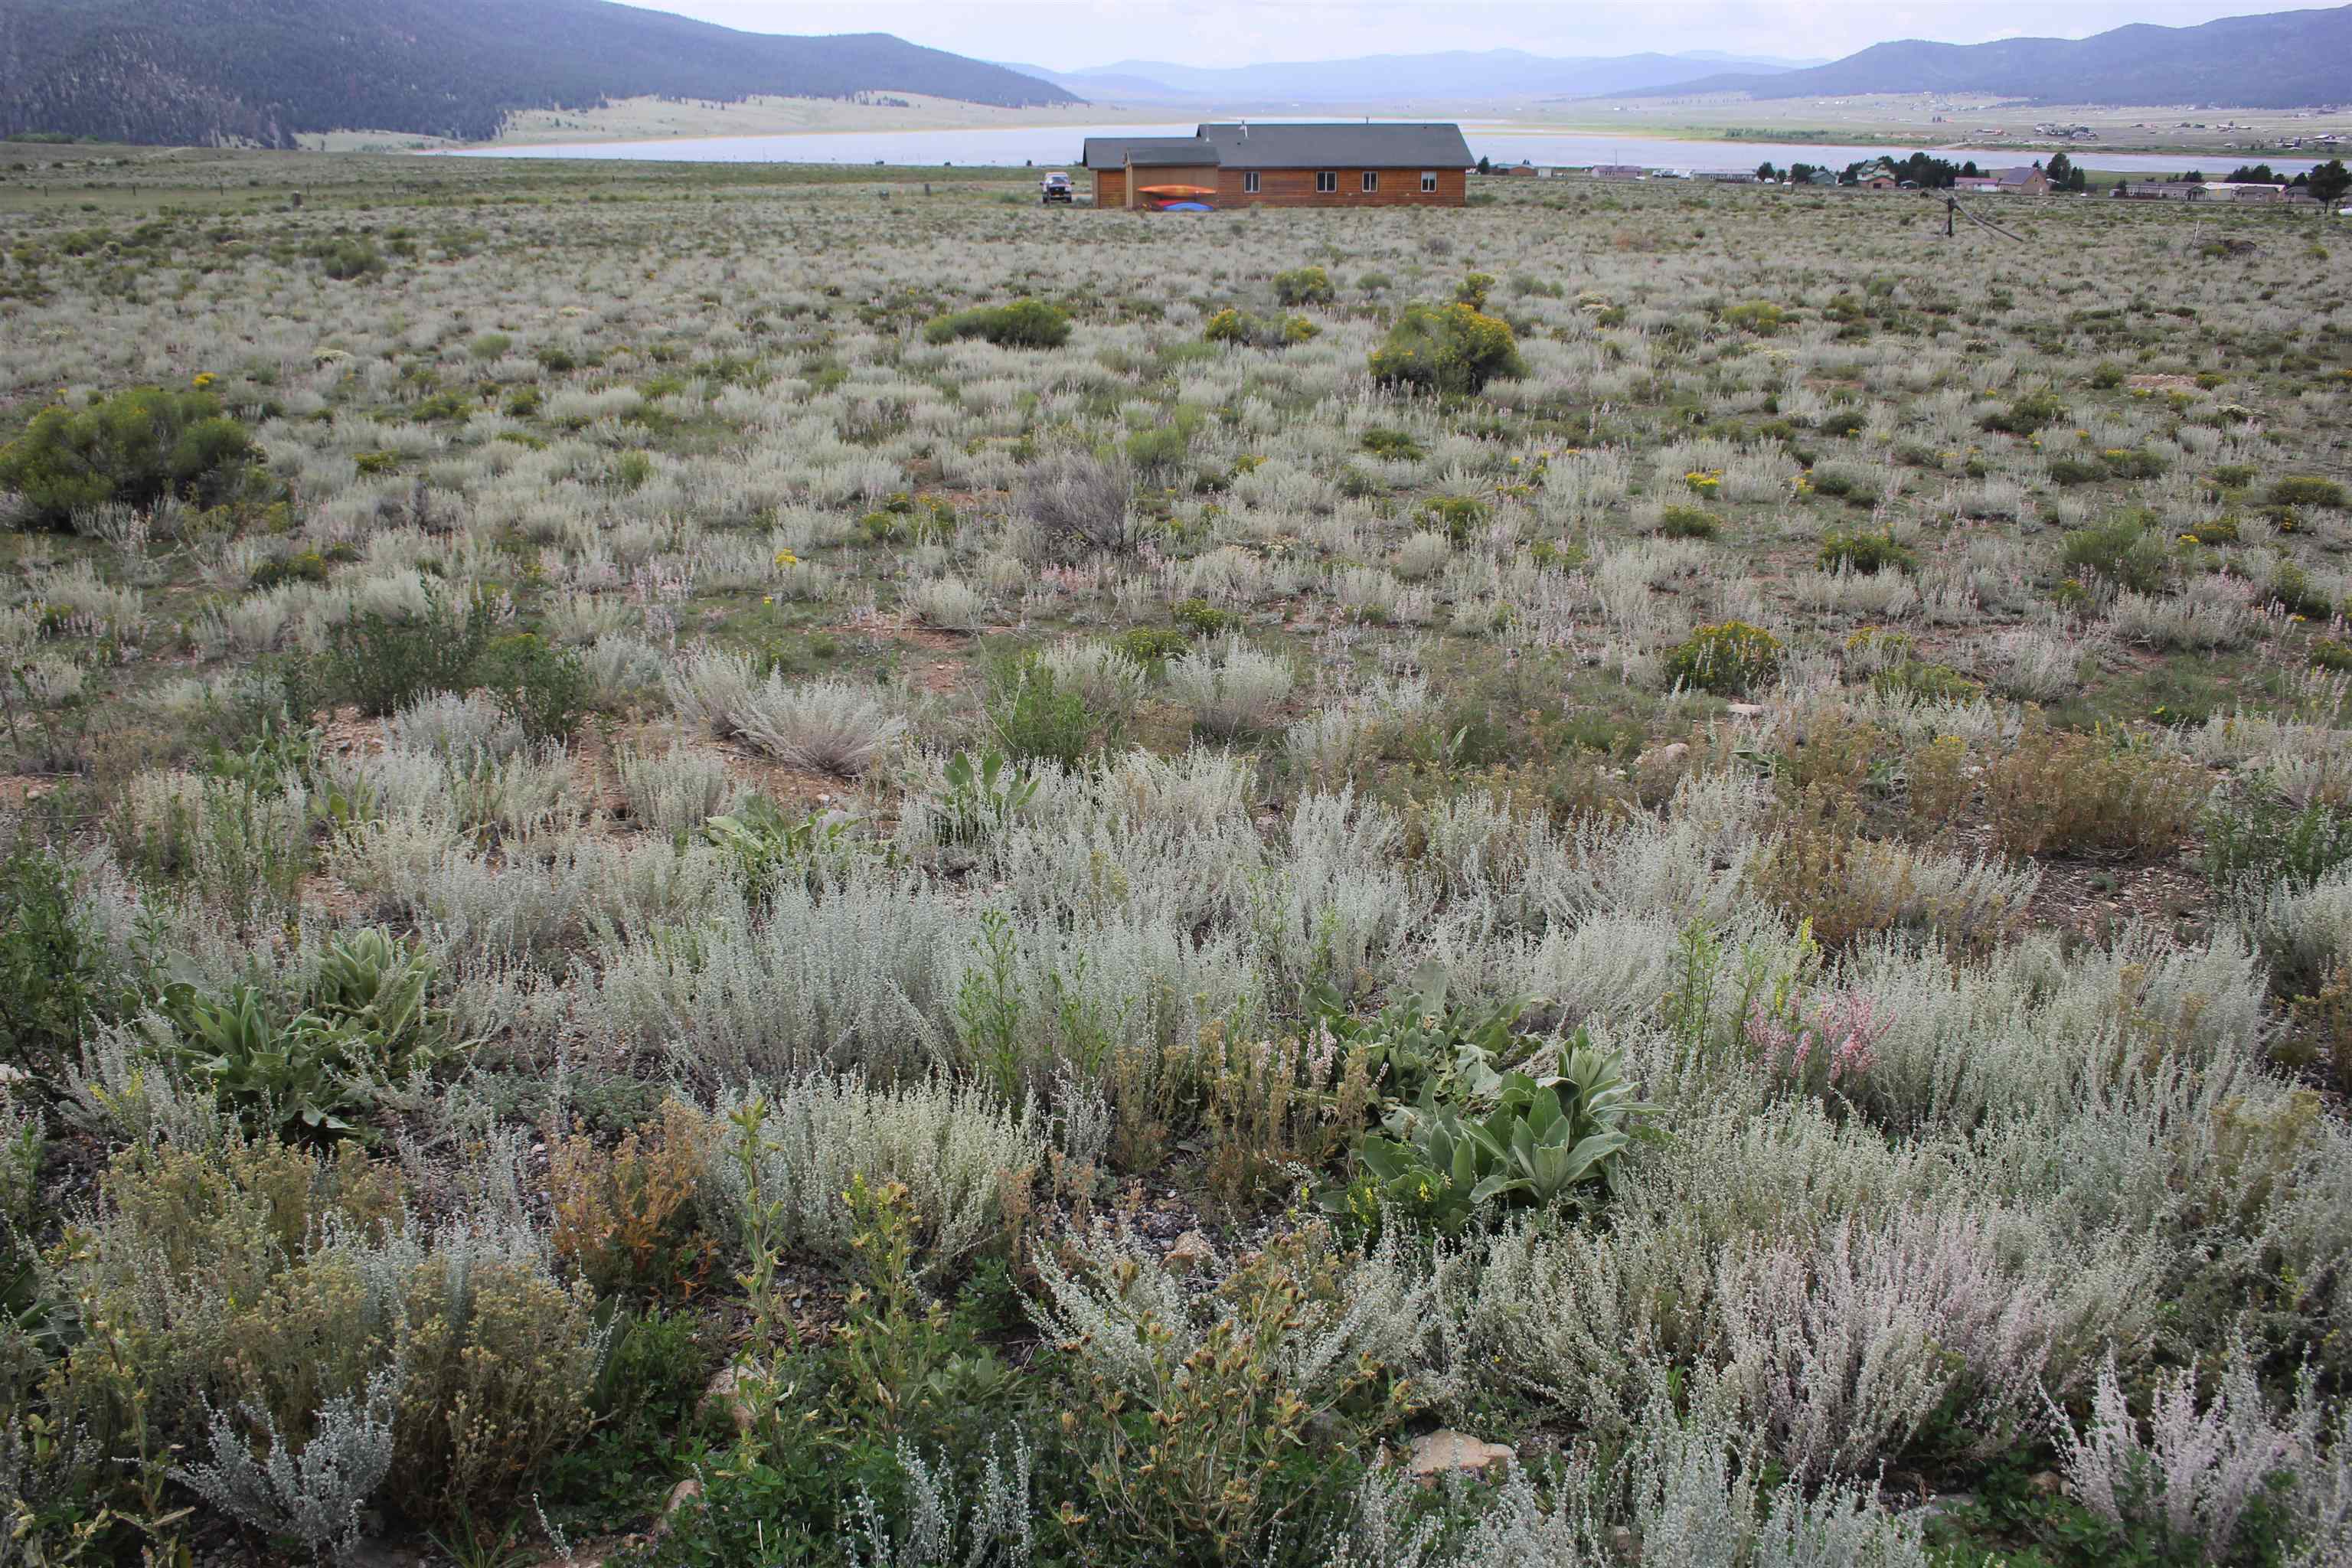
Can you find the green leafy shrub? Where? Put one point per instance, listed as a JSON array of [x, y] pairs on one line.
[[1865, 552], [303, 566], [1232, 326], [2034, 411], [1842, 422], [1689, 522], [271, 1277], [1844, 484], [2292, 589], [1457, 517], [1926, 681], [1449, 349], [54, 973], [2127, 549], [385, 663], [1304, 286], [348, 259], [1474, 290], [1202, 618], [1395, 445], [2261, 841], [1234, 1412], [1022, 324], [1729, 658], [1152, 646], [2306, 490], [1760, 317], [133, 448], [546, 689], [2132, 463], [1034, 719], [2054, 793]]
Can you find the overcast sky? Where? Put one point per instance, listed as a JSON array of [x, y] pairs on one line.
[[1068, 34]]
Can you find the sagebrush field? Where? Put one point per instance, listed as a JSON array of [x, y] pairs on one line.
[[713, 867]]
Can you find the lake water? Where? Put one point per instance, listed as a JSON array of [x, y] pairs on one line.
[[1057, 147]]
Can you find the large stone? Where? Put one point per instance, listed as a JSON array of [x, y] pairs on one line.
[[723, 1397], [1192, 1250], [1438, 1453]]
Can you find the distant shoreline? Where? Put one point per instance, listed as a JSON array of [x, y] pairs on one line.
[[1759, 137]]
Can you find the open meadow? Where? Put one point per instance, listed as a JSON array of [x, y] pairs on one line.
[[728, 865]]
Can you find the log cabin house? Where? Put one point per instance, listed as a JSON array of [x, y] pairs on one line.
[[1344, 164]]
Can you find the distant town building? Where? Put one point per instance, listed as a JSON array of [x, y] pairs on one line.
[[1617, 171]]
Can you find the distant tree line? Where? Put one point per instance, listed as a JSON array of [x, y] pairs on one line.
[[1923, 170]]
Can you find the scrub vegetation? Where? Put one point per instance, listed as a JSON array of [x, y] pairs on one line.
[[700, 866]]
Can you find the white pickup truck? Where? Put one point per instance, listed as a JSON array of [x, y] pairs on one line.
[[1055, 187]]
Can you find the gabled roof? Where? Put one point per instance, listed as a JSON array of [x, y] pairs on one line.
[[2020, 176], [1117, 151], [1339, 144]]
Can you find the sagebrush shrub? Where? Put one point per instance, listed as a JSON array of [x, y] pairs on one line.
[[679, 790], [965, 1163], [826, 725], [1082, 504], [1231, 688], [2205, 1481]]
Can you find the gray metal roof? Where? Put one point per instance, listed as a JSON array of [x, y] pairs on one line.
[[1117, 152], [1340, 145]]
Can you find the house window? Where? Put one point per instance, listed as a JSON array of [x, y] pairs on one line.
[[1428, 182], [1372, 181], [1249, 183], [1327, 181]]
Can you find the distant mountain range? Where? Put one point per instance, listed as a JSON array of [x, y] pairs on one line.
[[266, 71], [2285, 59], [1459, 76]]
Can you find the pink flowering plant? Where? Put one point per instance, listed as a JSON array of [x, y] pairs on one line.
[[1822, 1047]]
